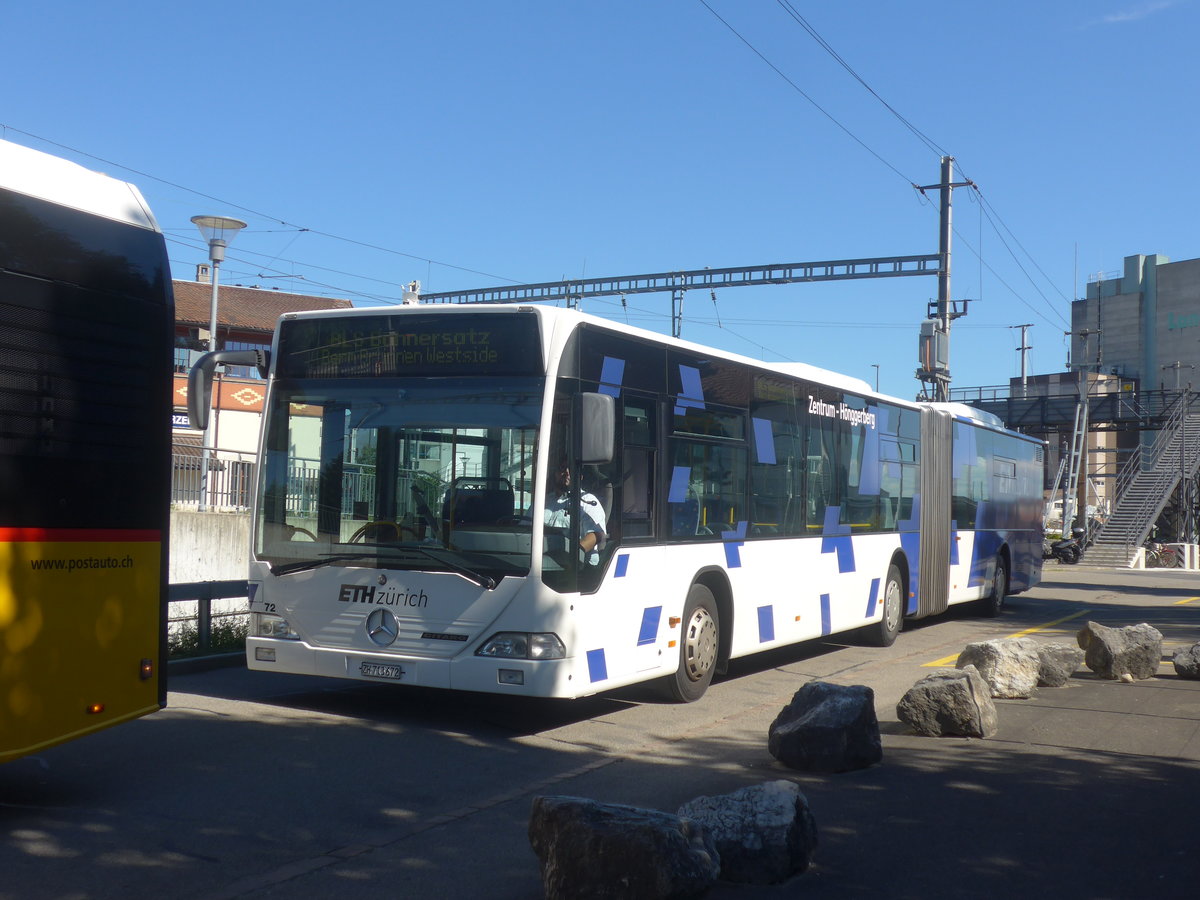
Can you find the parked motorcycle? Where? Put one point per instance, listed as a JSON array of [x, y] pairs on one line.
[[1065, 550]]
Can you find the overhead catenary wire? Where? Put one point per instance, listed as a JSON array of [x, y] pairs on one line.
[[988, 209], [828, 48], [253, 212], [832, 118], [256, 270], [987, 213], [383, 298]]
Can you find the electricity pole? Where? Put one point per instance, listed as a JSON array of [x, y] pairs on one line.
[[1023, 349], [935, 334]]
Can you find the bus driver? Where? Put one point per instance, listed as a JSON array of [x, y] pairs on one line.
[[591, 513]]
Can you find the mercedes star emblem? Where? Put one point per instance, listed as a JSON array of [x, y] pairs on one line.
[[382, 627]]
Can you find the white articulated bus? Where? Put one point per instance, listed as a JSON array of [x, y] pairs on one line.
[[408, 456]]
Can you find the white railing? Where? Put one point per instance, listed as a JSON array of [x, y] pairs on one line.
[[230, 481]]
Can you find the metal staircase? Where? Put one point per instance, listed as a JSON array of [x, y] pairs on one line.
[[1145, 486]]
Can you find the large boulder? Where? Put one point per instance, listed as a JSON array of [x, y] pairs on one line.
[[1187, 662], [1009, 666], [827, 728], [764, 834], [602, 850], [950, 702], [1057, 663], [1135, 650]]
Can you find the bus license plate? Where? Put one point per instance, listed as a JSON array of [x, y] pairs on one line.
[[381, 670]]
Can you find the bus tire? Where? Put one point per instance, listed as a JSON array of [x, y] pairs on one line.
[[883, 633], [699, 640], [993, 603]]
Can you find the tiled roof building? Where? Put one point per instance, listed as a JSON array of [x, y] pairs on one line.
[[246, 321], [242, 309]]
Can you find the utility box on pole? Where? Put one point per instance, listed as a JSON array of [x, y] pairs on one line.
[[933, 351]]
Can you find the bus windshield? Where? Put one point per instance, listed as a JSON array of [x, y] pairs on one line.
[[402, 473]]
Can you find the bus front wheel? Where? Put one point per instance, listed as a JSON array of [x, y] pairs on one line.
[[697, 646]]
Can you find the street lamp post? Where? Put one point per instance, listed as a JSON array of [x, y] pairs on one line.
[[218, 231], [875, 366]]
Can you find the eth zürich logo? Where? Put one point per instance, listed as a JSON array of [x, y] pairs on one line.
[[382, 627]]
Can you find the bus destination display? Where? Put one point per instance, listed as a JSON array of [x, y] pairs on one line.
[[467, 344]]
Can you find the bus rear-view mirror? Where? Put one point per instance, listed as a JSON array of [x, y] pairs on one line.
[[598, 424]]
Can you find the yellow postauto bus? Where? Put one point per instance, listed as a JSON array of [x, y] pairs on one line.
[[86, 325]]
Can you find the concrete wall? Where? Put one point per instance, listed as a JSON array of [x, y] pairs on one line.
[[1149, 320], [209, 546], [1118, 319], [1178, 323]]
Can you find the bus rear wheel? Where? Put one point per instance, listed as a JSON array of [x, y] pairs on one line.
[[992, 604], [883, 633], [700, 639]]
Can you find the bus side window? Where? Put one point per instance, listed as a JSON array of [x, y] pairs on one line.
[[775, 475], [708, 489], [636, 477], [821, 478], [636, 485]]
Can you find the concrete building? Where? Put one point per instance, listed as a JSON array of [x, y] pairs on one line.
[[1135, 344], [1136, 340], [1144, 325]]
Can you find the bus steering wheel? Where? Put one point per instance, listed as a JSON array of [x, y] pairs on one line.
[[396, 527]]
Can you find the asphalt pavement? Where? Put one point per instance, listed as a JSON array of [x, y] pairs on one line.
[[251, 785]]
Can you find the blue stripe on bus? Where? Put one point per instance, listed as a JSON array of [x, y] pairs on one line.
[[650, 618], [612, 374], [826, 626], [733, 542], [836, 539], [844, 547], [910, 543], [680, 476], [764, 442], [986, 549], [874, 598], [954, 543], [622, 565], [831, 526], [597, 668], [766, 624], [691, 389]]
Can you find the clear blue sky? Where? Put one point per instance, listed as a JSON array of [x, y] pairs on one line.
[[483, 143]]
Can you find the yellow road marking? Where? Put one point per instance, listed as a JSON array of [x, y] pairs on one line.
[[1188, 600], [1036, 628], [951, 660]]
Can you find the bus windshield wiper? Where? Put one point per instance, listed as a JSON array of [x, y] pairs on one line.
[[478, 577], [455, 566], [304, 564]]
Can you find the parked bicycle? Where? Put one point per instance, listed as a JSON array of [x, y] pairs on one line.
[[1160, 556]]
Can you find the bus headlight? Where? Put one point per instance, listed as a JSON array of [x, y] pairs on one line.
[[522, 645], [269, 626]]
